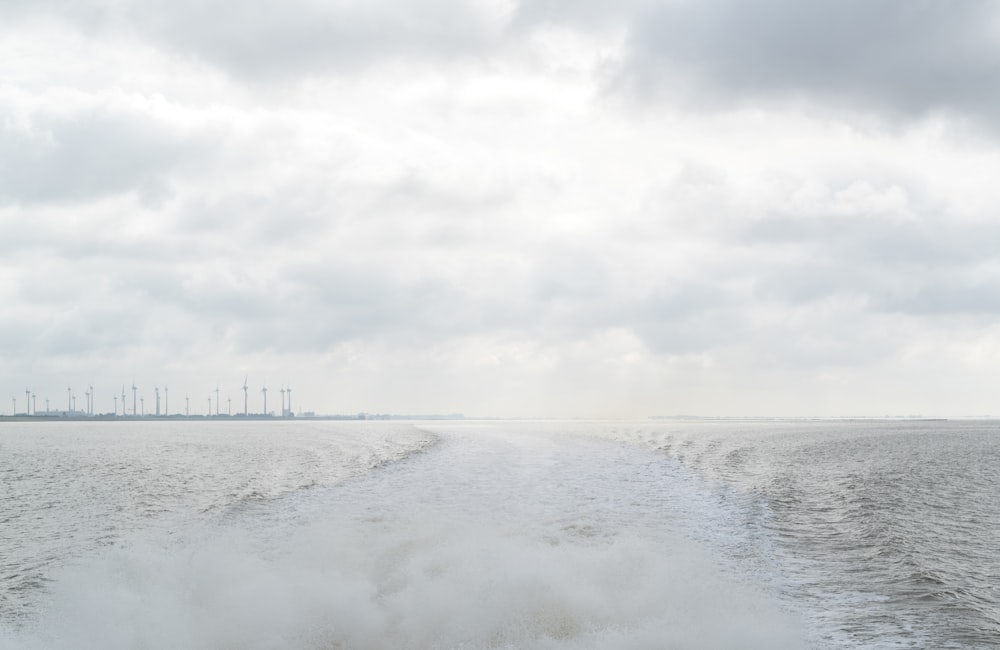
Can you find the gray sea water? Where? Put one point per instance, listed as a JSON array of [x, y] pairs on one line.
[[648, 534]]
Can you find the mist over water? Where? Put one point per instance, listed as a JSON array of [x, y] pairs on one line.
[[500, 535]]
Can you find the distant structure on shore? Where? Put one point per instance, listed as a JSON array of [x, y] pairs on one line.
[[49, 416], [120, 410], [138, 406]]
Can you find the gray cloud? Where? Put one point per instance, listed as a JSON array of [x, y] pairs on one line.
[[590, 14], [92, 153], [342, 301], [927, 242], [949, 296], [89, 15], [689, 318], [84, 329], [262, 38], [267, 39], [909, 57], [905, 57], [925, 266]]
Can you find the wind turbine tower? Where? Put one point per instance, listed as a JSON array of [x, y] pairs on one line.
[[142, 404], [91, 399], [116, 405], [157, 389], [245, 389], [282, 401], [27, 401], [14, 399], [229, 406], [166, 401], [69, 398], [86, 407], [123, 400], [134, 388], [187, 406], [264, 390], [34, 405], [216, 399], [289, 401]]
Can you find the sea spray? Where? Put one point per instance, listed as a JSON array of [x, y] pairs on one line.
[[404, 583], [497, 537]]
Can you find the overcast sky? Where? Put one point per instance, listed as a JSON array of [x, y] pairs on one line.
[[502, 207]]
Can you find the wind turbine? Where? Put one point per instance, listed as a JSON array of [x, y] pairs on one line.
[[166, 401], [245, 389], [264, 390], [187, 406], [13, 398], [86, 394], [216, 399], [34, 404], [91, 399], [27, 400], [209, 405], [69, 398], [282, 401], [289, 401], [157, 389], [134, 388], [142, 404], [123, 400], [116, 405], [229, 406]]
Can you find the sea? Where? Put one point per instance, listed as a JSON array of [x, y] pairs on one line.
[[671, 534]]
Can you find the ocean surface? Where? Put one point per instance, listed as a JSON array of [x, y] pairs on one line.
[[645, 534]]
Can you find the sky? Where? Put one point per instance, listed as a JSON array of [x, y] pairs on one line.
[[508, 208]]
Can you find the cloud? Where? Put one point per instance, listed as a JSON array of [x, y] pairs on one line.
[[905, 57], [900, 58], [930, 265], [272, 40], [268, 40], [587, 14], [447, 192], [94, 150]]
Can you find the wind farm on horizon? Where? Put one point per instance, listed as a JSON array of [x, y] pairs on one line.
[[161, 409]]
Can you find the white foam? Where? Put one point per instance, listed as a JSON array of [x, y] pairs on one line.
[[490, 540], [379, 584]]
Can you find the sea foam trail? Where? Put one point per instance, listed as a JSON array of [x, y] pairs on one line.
[[886, 530], [70, 489], [491, 539]]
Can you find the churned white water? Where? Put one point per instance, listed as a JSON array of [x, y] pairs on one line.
[[887, 532], [372, 535], [654, 534]]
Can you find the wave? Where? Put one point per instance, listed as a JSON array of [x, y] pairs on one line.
[[491, 538], [77, 488]]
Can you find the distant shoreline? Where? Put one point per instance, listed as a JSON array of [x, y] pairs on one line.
[[221, 418], [817, 418], [454, 417]]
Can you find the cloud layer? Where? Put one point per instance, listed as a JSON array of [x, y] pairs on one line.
[[534, 208]]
